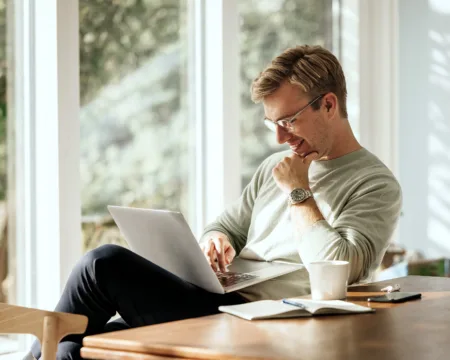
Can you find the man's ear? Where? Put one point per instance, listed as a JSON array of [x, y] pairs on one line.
[[331, 104]]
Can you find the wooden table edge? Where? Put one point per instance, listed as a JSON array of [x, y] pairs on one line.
[[161, 350], [108, 354]]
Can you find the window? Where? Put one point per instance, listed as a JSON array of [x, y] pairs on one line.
[[268, 27], [135, 132]]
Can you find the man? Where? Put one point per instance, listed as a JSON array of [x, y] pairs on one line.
[[325, 198], [354, 203]]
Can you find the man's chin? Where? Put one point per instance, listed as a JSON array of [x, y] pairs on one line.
[[301, 154], [306, 154], [297, 152]]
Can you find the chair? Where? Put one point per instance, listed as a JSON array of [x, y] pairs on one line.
[[48, 326]]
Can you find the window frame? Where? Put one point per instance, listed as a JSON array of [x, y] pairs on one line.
[[378, 91], [218, 105]]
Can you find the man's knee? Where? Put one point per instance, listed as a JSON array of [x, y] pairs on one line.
[[107, 252], [103, 257]]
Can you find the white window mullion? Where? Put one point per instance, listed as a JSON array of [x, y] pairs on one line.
[[58, 219], [215, 73], [46, 192], [378, 31], [196, 92], [222, 95], [369, 58], [68, 144], [349, 58], [45, 90]]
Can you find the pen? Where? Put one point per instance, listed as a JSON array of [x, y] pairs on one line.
[[293, 303], [391, 288]]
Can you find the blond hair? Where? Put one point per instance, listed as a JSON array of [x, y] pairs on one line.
[[316, 70]]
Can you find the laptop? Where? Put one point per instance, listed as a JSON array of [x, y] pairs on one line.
[[164, 238]]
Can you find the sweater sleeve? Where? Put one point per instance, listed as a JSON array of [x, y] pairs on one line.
[[362, 231], [234, 222]]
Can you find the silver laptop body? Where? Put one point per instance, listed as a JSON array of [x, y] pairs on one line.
[[164, 238]]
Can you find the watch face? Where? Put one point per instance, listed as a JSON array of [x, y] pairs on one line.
[[299, 195]]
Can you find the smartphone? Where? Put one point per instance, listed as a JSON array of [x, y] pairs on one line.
[[395, 297]]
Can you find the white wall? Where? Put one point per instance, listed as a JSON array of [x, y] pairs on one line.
[[424, 125]]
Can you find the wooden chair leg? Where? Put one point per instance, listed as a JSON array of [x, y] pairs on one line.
[[50, 338]]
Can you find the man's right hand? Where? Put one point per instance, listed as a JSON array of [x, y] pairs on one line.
[[218, 251]]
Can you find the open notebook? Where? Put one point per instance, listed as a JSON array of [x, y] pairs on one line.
[[272, 309]]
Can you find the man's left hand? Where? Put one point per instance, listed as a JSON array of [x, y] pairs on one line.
[[292, 172]]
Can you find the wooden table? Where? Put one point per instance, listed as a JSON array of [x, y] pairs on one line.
[[414, 330]]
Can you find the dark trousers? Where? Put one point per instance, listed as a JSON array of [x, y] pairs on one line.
[[113, 279]]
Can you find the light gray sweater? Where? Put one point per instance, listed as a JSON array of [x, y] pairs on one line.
[[359, 198]]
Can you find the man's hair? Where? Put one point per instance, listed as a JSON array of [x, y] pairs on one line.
[[316, 70]]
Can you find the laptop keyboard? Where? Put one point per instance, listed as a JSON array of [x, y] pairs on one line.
[[233, 278]]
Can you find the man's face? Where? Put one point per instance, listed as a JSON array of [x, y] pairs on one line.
[[310, 131]]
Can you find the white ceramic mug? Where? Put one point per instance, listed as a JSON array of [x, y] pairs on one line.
[[328, 279]]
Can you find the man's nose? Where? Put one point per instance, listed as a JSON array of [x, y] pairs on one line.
[[282, 135]]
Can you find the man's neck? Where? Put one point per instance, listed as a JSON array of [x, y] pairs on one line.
[[344, 142]]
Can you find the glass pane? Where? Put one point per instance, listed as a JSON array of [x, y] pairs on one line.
[[135, 147], [269, 27]]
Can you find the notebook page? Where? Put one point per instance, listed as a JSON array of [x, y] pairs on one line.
[[264, 309], [331, 306]]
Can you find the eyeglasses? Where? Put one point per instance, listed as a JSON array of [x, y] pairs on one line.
[[287, 124]]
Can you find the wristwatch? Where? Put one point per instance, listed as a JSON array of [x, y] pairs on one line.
[[299, 195]]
